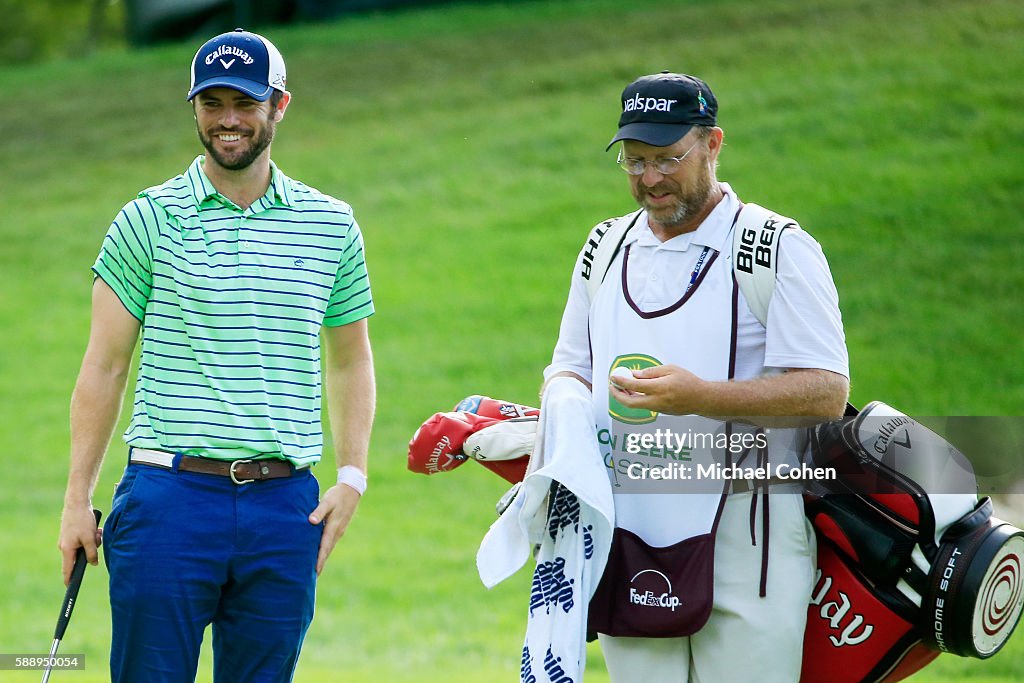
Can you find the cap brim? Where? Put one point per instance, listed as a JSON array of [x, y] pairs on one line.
[[257, 91], [654, 134]]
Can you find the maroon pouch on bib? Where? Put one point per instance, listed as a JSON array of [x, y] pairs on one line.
[[649, 592]]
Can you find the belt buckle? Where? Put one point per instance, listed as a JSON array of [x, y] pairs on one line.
[[231, 472]]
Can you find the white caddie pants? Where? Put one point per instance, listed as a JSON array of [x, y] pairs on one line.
[[747, 639]]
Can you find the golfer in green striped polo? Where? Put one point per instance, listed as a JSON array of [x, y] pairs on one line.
[[234, 273]]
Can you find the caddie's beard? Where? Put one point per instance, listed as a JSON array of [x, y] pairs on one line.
[[688, 204], [243, 158]]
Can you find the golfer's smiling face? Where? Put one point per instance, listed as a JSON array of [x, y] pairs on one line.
[[234, 128]]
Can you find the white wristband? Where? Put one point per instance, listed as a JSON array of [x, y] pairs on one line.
[[352, 476]]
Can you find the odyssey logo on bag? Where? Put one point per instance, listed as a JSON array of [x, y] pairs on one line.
[[650, 593], [836, 612]]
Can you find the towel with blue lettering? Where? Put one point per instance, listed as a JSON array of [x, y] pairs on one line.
[[565, 510]]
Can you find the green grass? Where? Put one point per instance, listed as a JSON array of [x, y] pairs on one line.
[[470, 142]]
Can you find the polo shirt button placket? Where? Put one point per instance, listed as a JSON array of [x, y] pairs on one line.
[[246, 264]]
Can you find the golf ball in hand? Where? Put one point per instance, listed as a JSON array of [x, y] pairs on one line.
[[620, 371]]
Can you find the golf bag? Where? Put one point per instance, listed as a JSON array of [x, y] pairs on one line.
[[910, 562]]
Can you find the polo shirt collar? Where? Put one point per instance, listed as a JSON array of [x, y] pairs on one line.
[[203, 189], [279, 185], [712, 232]]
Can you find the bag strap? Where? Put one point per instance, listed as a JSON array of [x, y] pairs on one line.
[[755, 248], [754, 253], [603, 243]]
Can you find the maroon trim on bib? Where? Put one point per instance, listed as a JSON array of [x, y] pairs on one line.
[[738, 212], [648, 315]]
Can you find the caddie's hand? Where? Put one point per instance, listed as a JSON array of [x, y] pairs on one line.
[[335, 510], [78, 530], [667, 389]]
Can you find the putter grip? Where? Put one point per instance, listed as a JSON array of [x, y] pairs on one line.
[[71, 595]]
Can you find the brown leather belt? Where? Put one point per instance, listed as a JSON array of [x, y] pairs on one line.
[[239, 471]]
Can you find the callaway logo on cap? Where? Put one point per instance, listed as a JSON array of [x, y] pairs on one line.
[[661, 108], [241, 60]]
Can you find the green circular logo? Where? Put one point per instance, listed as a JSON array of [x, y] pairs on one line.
[[633, 416]]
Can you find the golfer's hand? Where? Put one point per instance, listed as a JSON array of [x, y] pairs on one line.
[[78, 530], [335, 510], [667, 389]]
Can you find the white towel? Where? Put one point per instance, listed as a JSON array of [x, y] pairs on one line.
[[572, 527]]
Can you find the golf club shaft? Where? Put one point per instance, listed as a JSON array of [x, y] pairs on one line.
[[49, 663]]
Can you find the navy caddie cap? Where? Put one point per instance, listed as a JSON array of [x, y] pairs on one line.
[[659, 109], [245, 61]]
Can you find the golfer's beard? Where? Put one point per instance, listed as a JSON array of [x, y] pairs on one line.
[[245, 157], [687, 205]]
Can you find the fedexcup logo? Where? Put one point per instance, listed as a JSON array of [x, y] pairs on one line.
[[619, 412], [652, 595]]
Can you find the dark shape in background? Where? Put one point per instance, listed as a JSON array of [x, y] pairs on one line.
[[153, 21], [38, 30]]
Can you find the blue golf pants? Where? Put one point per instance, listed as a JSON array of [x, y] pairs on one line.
[[186, 550]]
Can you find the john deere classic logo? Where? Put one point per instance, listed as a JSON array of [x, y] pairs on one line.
[[633, 416]]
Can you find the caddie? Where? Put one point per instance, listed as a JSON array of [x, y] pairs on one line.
[[234, 273], [710, 585]]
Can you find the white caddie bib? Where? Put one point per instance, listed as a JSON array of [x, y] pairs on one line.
[[659, 578], [695, 333]]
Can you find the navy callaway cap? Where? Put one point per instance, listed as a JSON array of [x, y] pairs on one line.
[[661, 108], [241, 60]]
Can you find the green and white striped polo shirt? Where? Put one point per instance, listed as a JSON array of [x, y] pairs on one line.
[[231, 304]]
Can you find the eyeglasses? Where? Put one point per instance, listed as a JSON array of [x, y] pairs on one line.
[[663, 165]]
